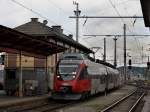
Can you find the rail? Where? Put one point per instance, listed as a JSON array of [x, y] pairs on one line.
[[45, 107], [117, 102], [136, 103]]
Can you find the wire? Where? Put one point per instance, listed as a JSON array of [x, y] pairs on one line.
[[60, 9], [139, 47], [37, 13], [138, 43], [85, 21], [116, 10]]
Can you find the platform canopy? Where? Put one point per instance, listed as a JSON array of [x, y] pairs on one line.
[[145, 4], [13, 41]]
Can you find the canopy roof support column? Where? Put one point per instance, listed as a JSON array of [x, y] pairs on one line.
[[20, 76], [47, 77]]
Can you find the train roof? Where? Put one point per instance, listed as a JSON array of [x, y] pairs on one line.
[[70, 61], [74, 56], [82, 56], [105, 63]]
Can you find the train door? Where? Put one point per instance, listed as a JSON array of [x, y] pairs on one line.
[[102, 83]]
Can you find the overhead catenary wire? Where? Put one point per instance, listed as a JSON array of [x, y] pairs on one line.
[[94, 17], [138, 46], [110, 17], [138, 43], [117, 4], [60, 9], [116, 10], [119, 13], [136, 40], [121, 17]]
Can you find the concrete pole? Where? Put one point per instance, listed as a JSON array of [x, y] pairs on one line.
[[47, 76], [20, 77], [77, 24], [115, 52], [77, 13], [125, 64], [142, 53], [104, 50]]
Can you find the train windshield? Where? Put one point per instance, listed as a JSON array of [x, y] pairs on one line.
[[67, 71]]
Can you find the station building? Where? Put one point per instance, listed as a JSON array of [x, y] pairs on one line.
[[53, 34], [34, 69]]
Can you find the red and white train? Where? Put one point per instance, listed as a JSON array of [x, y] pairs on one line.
[[78, 77]]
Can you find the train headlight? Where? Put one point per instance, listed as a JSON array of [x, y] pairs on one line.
[[74, 76], [58, 76], [73, 72]]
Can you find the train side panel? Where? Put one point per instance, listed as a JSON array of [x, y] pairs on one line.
[[97, 86], [97, 74]]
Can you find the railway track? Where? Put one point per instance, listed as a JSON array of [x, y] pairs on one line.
[[49, 108], [127, 103], [52, 106], [45, 107]]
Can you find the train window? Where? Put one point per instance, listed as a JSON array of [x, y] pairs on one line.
[[67, 71], [103, 78], [93, 70], [111, 78]]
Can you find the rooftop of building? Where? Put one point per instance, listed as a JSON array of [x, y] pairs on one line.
[[39, 29]]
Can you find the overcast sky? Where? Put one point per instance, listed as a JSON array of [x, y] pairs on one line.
[[58, 11]]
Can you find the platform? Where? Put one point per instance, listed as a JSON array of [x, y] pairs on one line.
[[6, 101]]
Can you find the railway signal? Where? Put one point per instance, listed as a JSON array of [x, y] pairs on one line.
[[130, 64], [148, 65]]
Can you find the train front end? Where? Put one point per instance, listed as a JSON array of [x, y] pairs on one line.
[[68, 84]]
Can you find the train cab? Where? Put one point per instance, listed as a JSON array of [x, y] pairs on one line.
[[71, 78]]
